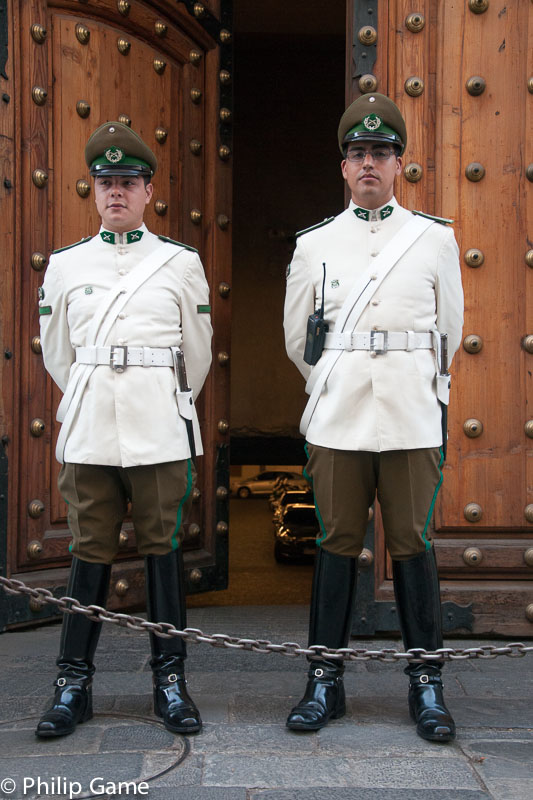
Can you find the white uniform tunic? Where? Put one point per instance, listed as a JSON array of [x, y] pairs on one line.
[[387, 402], [131, 418]]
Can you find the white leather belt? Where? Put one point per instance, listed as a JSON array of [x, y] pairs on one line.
[[118, 357], [379, 342]]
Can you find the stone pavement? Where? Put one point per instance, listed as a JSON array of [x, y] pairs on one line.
[[244, 751]]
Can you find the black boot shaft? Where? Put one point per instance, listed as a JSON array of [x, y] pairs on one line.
[[416, 587], [165, 602], [332, 602], [332, 599], [72, 704], [89, 585]]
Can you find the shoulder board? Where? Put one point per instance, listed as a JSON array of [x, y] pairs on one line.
[[313, 227], [69, 246], [442, 220], [180, 244]]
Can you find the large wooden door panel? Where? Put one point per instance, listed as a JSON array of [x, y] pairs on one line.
[[463, 82], [157, 67]]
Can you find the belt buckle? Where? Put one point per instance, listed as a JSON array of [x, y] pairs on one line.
[[374, 345], [118, 357]]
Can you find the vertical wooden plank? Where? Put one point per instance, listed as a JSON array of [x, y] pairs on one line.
[[9, 199], [35, 209], [490, 469], [525, 81]]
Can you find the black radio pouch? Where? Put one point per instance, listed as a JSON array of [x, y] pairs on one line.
[[317, 328]]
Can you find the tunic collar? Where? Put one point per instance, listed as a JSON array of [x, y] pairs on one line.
[[374, 214], [130, 237]]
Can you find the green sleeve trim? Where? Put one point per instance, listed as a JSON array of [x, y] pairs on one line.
[[442, 220], [70, 246], [179, 244], [43, 310], [314, 227], [203, 309]]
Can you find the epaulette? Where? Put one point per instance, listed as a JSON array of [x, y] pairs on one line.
[[180, 244], [442, 220], [69, 246], [313, 227]]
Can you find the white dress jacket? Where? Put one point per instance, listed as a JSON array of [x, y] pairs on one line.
[[389, 401], [130, 418]]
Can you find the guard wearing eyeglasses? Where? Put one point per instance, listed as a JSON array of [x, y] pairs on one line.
[[120, 312], [373, 316]]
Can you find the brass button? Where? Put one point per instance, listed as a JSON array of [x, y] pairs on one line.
[[473, 428], [473, 512], [475, 171], [34, 549], [474, 257], [122, 587], [472, 556], [473, 343], [365, 558]]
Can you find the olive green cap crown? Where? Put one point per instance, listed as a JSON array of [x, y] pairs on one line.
[[372, 117], [114, 149]]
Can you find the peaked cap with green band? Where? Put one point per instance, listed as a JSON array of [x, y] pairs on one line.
[[372, 117], [114, 149]]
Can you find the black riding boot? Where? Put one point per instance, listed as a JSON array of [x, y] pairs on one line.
[[88, 583], [165, 598], [416, 586], [332, 598]]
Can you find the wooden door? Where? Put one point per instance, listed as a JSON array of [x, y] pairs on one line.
[[461, 73], [165, 69]]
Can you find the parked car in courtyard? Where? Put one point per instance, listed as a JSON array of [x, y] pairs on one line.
[[289, 497], [261, 485], [295, 530]]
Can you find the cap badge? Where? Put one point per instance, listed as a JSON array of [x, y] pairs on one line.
[[114, 155], [372, 122]]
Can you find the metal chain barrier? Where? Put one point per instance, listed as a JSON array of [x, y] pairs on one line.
[[69, 605]]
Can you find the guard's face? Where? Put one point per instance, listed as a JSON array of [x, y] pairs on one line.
[[371, 180], [121, 200]]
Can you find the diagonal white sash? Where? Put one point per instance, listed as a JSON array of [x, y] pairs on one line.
[[101, 324], [356, 302]]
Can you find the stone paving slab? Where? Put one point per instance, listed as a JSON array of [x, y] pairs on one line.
[[405, 772], [314, 793], [245, 751]]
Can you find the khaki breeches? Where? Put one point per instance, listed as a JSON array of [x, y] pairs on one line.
[[346, 482], [98, 496]]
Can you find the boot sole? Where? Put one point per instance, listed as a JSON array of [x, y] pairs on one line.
[[437, 737], [183, 730], [314, 726], [56, 734]]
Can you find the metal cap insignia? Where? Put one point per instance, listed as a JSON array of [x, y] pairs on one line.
[[372, 122], [114, 155]]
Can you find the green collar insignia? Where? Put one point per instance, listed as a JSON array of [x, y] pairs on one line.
[[364, 213], [114, 238]]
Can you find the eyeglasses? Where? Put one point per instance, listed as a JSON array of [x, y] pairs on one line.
[[378, 154]]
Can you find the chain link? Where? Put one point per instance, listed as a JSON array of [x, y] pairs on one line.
[[69, 605]]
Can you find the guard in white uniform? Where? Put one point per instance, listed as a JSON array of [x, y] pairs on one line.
[[373, 316], [126, 335]]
